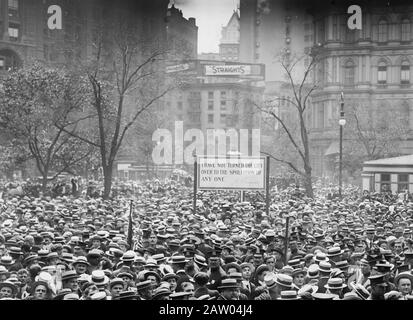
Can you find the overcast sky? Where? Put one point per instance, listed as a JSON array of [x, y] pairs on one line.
[[210, 16]]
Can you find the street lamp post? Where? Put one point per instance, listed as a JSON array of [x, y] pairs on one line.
[[342, 123]]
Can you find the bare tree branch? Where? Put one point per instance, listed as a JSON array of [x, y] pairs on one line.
[[291, 138], [290, 164]]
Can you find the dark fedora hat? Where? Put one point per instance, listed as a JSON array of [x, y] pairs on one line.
[[143, 285], [126, 295], [69, 275]]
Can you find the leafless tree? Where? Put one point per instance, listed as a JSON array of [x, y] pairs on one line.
[[298, 139]]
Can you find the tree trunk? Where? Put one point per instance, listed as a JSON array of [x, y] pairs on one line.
[[308, 184], [44, 181], [107, 178]]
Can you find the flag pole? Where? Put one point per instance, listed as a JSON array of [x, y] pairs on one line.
[[130, 228]]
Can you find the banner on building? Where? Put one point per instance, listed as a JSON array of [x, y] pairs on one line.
[[231, 173], [227, 70], [210, 68]]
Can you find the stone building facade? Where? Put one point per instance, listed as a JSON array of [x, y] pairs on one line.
[[371, 66]]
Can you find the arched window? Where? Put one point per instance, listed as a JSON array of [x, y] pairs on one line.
[[349, 73], [382, 31], [405, 30], [405, 72], [382, 72]]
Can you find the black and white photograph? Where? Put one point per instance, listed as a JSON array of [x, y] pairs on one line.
[[213, 150]]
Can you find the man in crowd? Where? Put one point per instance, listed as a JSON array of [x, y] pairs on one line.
[[226, 250]]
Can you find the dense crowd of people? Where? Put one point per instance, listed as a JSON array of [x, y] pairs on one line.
[[78, 246]]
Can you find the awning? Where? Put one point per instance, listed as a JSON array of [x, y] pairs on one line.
[[332, 149]]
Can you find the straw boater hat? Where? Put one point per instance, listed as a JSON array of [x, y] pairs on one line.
[[321, 256], [100, 295], [228, 284], [284, 280], [269, 280], [9, 284], [360, 291], [334, 251], [307, 288], [99, 278], [116, 281], [6, 261], [324, 267], [403, 275], [81, 260], [200, 260], [335, 283], [170, 275], [289, 295], [313, 271], [180, 295]]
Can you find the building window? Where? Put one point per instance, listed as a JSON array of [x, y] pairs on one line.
[[320, 32], [210, 95], [385, 182], [223, 105], [403, 182], [406, 30], [349, 69], [210, 118], [195, 95], [382, 73], [335, 28], [180, 117], [179, 105], [14, 5], [382, 31], [223, 94], [320, 116], [405, 72], [321, 69], [210, 105], [13, 32], [223, 118]]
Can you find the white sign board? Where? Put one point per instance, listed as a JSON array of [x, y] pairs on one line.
[[231, 173], [178, 67], [227, 70]]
